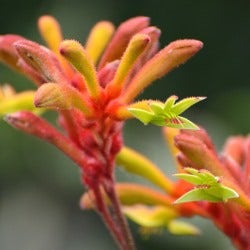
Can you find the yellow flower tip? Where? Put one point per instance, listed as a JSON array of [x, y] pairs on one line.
[[50, 31], [46, 22], [67, 47], [98, 39], [12, 102], [105, 26], [74, 52], [179, 227], [49, 96], [138, 164], [136, 47], [138, 43], [61, 96], [156, 216]]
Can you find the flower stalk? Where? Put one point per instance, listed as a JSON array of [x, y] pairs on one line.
[[93, 88]]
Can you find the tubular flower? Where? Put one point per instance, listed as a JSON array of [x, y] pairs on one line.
[[10, 101], [92, 88], [232, 166], [214, 186]]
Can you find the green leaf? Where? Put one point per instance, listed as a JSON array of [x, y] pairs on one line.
[[187, 124], [189, 178], [166, 114], [198, 194], [180, 123], [208, 187], [142, 115], [223, 193], [157, 107], [170, 103], [159, 121], [185, 103]]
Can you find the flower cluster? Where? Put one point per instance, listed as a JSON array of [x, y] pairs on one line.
[[232, 166], [213, 186], [93, 89]]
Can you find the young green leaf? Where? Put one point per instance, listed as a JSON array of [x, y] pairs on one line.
[[186, 103], [198, 194], [208, 187], [170, 103], [142, 115], [181, 123], [166, 114], [189, 178], [157, 107]]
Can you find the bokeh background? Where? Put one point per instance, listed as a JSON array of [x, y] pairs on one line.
[[40, 188]]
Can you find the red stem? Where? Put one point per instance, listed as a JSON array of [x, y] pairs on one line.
[[108, 220], [109, 187]]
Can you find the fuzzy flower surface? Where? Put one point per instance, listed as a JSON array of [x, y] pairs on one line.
[[212, 185], [93, 88], [232, 168]]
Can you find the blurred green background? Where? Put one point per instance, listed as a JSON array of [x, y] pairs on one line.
[[40, 188]]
